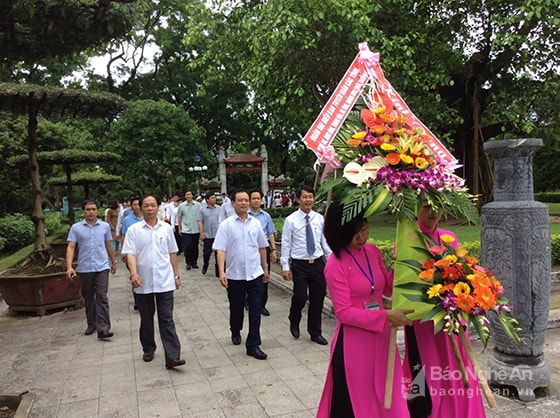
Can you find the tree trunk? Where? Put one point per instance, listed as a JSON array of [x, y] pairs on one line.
[[37, 216], [70, 194]]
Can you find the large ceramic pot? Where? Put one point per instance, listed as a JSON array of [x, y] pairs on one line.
[[20, 404], [59, 249], [40, 293]]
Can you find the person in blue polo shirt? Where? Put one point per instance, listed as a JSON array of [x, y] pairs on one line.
[[95, 259]]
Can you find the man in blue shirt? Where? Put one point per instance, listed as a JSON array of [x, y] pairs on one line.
[[95, 258], [241, 246], [268, 228], [190, 228], [210, 215]]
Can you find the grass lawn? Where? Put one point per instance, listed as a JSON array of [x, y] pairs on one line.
[[383, 228]]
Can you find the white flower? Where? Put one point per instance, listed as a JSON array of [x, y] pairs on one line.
[[355, 173], [373, 165]]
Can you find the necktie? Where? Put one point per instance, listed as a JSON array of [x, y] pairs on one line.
[[309, 236]]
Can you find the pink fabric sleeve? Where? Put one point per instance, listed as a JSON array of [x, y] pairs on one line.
[[345, 311]]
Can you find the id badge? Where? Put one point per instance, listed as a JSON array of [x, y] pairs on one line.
[[371, 305]]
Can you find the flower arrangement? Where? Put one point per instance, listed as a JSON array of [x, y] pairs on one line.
[[389, 165], [460, 290]]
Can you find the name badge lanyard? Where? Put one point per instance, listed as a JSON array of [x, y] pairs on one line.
[[368, 277]]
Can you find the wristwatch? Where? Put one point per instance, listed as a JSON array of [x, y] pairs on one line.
[[177, 277]]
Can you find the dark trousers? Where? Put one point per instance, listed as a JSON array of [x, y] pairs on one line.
[[310, 276], [341, 406], [207, 253], [265, 289], [178, 238], [190, 247], [95, 286], [146, 307], [239, 291]]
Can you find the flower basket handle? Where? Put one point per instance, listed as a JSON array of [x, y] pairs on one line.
[[488, 394]]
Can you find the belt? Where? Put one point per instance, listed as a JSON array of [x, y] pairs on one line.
[[312, 261]]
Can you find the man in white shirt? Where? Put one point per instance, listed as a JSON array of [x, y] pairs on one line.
[[305, 245], [241, 245], [152, 260]]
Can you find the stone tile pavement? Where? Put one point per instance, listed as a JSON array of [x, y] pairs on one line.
[[74, 375]]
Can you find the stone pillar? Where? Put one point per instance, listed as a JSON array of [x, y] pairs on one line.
[[264, 170], [515, 245], [222, 170]]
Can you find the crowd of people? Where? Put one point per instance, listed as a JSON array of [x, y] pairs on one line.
[[318, 254]]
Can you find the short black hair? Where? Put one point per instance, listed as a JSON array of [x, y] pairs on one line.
[[158, 200], [135, 198], [209, 195], [337, 234], [305, 188], [255, 191], [236, 191], [89, 202]]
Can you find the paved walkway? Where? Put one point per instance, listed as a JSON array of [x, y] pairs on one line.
[[74, 375]]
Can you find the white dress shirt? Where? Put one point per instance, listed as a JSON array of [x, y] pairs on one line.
[[294, 239], [152, 247], [241, 241]]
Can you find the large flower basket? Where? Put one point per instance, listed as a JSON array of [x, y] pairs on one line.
[[392, 162]]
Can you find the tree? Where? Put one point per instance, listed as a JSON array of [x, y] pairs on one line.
[[154, 137], [459, 64], [49, 34]]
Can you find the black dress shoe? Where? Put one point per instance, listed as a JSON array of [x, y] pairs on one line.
[[188, 267], [174, 363], [148, 357], [195, 266], [104, 334], [204, 269], [294, 330], [90, 330], [236, 339], [265, 312], [319, 339], [257, 353]]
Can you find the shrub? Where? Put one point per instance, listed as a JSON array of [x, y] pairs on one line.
[[555, 249], [18, 230], [548, 197], [2, 243], [52, 222]]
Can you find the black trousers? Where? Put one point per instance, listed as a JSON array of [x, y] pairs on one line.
[[238, 291], [190, 247], [207, 253], [341, 405], [265, 289], [147, 304], [308, 276]]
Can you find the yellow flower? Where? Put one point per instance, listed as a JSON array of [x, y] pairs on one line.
[[407, 159], [460, 252], [461, 288], [447, 239], [451, 258], [388, 147], [420, 163], [434, 290], [359, 135]]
